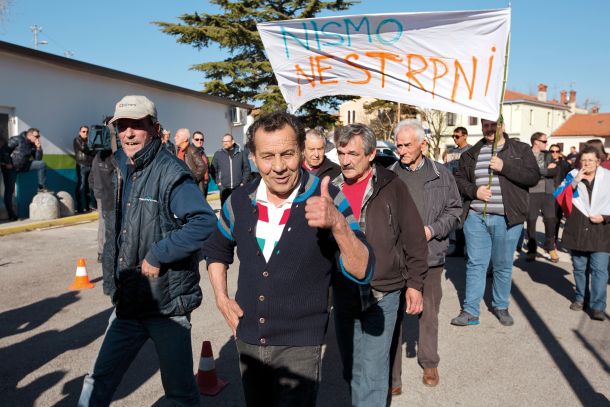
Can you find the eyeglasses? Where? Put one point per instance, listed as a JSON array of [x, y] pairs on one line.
[[456, 136], [38, 136], [542, 141], [84, 131], [197, 139], [555, 151]]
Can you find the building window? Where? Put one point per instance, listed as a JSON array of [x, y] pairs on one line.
[[353, 116], [472, 121], [450, 119], [531, 117], [548, 119]]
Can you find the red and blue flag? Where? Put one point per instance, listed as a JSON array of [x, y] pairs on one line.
[[564, 194]]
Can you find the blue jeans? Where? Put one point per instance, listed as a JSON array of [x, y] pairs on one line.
[[364, 339], [489, 239], [122, 342], [41, 167], [598, 266]]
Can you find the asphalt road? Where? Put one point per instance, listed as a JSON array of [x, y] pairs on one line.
[[49, 337]]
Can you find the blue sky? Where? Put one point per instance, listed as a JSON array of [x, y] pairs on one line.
[[564, 44]]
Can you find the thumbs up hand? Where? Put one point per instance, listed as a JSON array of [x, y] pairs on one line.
[[320, 211]]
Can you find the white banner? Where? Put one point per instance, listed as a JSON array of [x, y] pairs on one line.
[[450, 61]]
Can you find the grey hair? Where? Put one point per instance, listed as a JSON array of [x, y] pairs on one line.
[[314, 133], [185, 131], [344, 134], [413, 124]]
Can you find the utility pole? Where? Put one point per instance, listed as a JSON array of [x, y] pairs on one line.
[[36, 29]]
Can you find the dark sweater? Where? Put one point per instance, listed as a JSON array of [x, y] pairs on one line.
[[294, 283]]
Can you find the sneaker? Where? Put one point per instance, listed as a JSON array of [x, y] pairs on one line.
[[503, 316], [577, 306], [465, 319], [554, 256], [598, 315]]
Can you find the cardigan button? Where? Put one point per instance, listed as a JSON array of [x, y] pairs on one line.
[[258, 252], [262, 340], [261, 320], [265, 273], [249, 230], [261, 298]]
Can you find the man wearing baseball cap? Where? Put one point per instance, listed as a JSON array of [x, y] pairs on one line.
[[159, 222]]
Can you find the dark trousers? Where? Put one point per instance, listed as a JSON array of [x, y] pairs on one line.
[[279, 376], [427, 344], [83, 192], [460, 242], [224, 195], [558, 217], [9, 176], [545, 203]]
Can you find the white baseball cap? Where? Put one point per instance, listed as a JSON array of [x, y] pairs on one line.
[[134, 107]]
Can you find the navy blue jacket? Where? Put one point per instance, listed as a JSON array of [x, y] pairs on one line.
[[285, 300], [161, 216]]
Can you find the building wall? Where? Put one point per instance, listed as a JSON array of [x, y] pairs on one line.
[[58, 100], [353, 111]]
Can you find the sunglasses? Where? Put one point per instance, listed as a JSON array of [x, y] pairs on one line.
[[555, 151], [543, 141], [455, 136], [197, 139]]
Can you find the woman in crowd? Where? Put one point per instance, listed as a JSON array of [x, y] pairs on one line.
[[587, 230], [563, 169]]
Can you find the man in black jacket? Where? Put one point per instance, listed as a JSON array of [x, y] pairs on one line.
[[159, 223], [494, 217], [315, 162], [84, 158], [365, 319], [542, 200], [25, 153], [230, 167]]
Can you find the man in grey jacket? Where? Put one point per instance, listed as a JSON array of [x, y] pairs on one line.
[[230, 167], [438, 202]]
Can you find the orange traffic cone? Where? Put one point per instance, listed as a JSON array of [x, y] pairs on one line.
[[81, 279], [209, 384]]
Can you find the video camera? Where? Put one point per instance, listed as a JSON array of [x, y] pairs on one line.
[[102, 137]]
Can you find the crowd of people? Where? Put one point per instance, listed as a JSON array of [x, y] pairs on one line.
[[362, 242]]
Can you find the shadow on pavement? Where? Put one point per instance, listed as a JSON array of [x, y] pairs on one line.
[[31, 316], [543, 272], [571, 372], [23, 358]]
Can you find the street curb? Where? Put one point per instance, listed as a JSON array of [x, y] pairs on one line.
[[68, 220], [65, 221]]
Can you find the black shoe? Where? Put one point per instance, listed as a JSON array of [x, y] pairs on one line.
[[503, 316], [598, 315], [12, 217]]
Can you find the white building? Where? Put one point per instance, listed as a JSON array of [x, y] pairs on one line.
[[57, 95]]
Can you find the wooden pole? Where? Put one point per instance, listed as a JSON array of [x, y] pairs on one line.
[[500, 122]]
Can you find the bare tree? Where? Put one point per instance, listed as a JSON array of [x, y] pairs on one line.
[[437, 122], [385, 116]]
